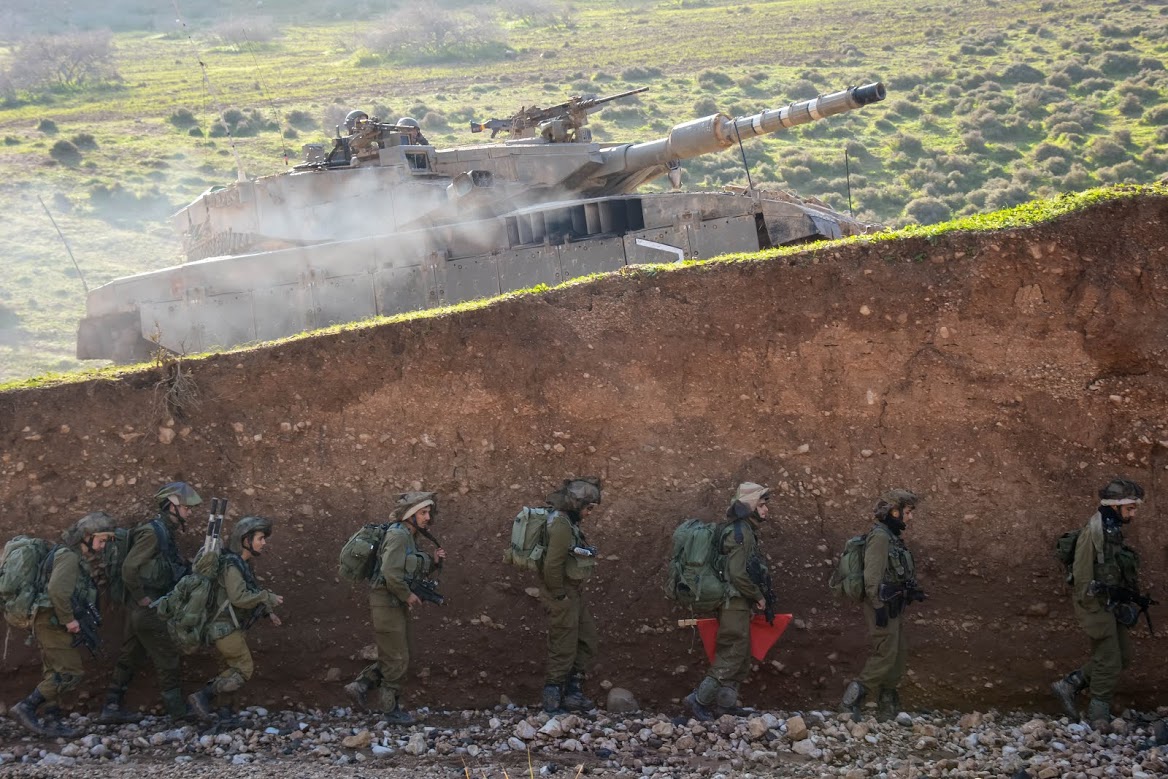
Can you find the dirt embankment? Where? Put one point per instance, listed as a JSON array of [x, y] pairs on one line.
[[1004, 377]]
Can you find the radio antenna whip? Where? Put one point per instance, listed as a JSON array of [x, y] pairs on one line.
[[49, 214]]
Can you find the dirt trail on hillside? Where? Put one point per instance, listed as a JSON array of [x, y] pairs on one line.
[[1003, 376]]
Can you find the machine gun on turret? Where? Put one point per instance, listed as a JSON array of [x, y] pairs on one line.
[[562, 123]]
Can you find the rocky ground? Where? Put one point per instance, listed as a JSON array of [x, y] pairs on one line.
[[515, 741]]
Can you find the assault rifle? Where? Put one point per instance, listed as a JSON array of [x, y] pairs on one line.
[[558, 123], [762, 578], [427, 590], [899, 596], [89, 619], [1123, 596], [212, 541]]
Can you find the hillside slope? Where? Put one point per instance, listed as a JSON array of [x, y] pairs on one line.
[[1004, 376]]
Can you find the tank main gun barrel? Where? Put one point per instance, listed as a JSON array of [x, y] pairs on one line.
[[718, 131]]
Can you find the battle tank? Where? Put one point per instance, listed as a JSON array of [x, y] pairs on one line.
[[385, 223]]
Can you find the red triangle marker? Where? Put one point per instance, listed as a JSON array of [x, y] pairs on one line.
[[762, 635]]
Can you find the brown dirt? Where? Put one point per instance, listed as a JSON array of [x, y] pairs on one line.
[[1004, 376]]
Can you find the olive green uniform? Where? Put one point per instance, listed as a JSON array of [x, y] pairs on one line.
[[738, 545], [886, 561], [61, 662], [401, 561], [150, 571], [1101, 556], [237, 598], [572, 638]]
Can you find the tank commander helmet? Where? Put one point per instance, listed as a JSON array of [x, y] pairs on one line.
[[243, 531], [1121, 492], [894, 502], [92, 524], [408, 121], [410, 503], [747, 498], [574, 494], [353, 118]]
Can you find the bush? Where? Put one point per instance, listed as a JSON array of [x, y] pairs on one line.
[[301, 120], [1123, 173], [433, 120], [1105, 151], [1046, 151], [1115, 64], [65, 153], [711, 79], [1092, 85], [84, 141], [437, 35], [704, 106], [47, 126], [291, 133], [1131, 106], [67, 60], [637, 73], [183, 118], [1022, 73], [927, 211], [1157, 117], [246, 29]]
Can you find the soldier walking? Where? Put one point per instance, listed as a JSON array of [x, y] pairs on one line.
[[567, 564], [239, 602], [151, 569], [390, 603], [68, 570], [1106, 598], [743, 570], [889, 587]]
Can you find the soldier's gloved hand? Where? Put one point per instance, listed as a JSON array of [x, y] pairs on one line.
[[881, 617]]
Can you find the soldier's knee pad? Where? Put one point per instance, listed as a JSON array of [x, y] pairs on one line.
[[64, 682], [726, 697], [854, 693], [707, 691], [389, 699], [228, 682]]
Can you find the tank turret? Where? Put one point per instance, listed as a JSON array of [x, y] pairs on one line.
[[385, 222]]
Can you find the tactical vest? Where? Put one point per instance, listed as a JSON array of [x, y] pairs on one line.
[[578, 567], [418, 565], [755, 562], [163, 572], [1120, 565], [900, 567], [85, 589], [227, 618]]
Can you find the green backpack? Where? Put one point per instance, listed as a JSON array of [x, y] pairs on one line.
[[528, 539], [694, 576], [20, 578], [360, 560], [1064, 552], [848, 580], [187, 609]]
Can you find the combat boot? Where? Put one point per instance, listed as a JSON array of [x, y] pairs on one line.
[[399, 716], [53, 724], [887, 705], [696, 709], [573, 698], [1099, 714], [25, 713], [358, 693], [853, 699], [553, 699], [175, 705], [202, 703], [700, 702], [112, 712], [1065, 691]]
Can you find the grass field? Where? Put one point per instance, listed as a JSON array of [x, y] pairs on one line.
[[990, 104]]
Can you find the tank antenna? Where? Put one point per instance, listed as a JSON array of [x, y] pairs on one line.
[[49, 214], [848, 173], [241, 175], [267, 96], [742, 151]]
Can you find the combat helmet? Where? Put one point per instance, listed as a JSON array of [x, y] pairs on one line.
[[353, 118], [177, 493], [1121, 492], [89, 525], [244, 529], [410, 503], [898, 499], [575, 494]]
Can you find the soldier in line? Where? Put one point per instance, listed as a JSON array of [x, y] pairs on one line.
[[68, 572], [738, 545], [239, 603], [889, 586], [391, 601], [151, 569], [567, 564], [1105, 579]]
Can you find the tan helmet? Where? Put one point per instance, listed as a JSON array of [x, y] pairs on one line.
[[244, 529], [751, 494], [898, 499], [88, 526], [575, 494], [410, 503], [1121, 492]]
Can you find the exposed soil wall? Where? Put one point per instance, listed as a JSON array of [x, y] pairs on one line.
[[1003, 376]]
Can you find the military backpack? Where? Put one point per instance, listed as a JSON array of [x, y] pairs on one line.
[[188, 609], [1064, 552], [360, 556], [528, 539], [21, 578], [694, 576], [848, 580]]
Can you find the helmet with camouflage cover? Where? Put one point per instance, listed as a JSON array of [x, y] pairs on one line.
[[244, 529], [177, 493], [410, 503], [88, 526], [575, 494], [894, 502], [1121, 492]]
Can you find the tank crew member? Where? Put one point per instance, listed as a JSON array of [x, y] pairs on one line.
[[69, 585], [152, 567], [889, 587], [1103, 568], [744, 570], [391, 601], [568, 562], [416, 137], [239, 603]]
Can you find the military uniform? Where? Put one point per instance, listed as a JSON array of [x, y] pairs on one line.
[[237, 600], [150, 570], [400, 562], [572, 638], [61, 662], [886, 561]]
